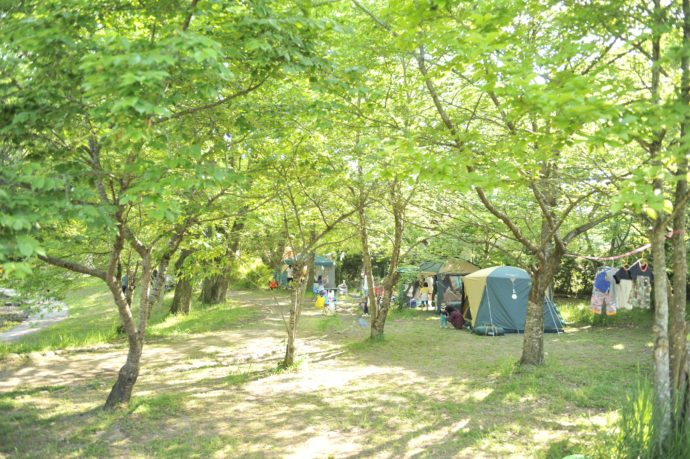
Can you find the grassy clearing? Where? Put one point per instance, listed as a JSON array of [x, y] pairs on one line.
[[420, 392], [93, 320]]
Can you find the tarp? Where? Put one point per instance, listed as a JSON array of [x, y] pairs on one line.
[[450, 266]]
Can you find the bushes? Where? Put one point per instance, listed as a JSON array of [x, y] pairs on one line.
[[257, 276]]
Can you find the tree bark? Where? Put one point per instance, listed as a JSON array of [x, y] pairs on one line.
[[214, 290], [662, 380], [533, 342], [121, 392], [398, 207], [296, 305], [182, 300], [678, 329], [366, 262]]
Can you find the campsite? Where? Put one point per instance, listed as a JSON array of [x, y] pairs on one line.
[[212, 389], [344, 229]]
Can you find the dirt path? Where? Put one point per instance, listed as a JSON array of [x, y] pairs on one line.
[[47, 316]]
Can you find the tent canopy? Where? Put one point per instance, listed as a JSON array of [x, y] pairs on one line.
[[450, 266]]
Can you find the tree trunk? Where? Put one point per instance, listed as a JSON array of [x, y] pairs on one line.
[[533, 343], [377, 325], [662, 382], [121, 392], [182, 301], [296, 305], [214, 289], [368, 276], [678, 329]]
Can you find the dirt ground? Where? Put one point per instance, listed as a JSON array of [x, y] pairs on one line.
[[423, 392]]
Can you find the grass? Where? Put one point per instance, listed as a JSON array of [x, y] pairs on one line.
[[210, 387], [93, 320], [8, 324]]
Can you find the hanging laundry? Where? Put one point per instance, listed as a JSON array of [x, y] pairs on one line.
[[642, 275], [640, 268], [601, 293], [623, 288]]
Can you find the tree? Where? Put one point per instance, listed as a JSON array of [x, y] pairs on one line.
[[99, 106]]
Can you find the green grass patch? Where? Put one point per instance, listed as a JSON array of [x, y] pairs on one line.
[[93, 319], [157, 407], [202, 319], [576, 312], [8, 324]]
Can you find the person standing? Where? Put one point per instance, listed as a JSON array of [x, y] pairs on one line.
[[424, 295], [289, 277], [444, 318]]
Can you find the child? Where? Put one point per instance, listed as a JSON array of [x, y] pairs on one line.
[[272, 284], [444, 317], [424, 296]]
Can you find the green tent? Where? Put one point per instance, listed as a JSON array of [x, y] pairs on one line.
[[498, 297]]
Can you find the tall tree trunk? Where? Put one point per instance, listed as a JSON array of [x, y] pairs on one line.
[[366, 262], [662, 376], [533, 342], [121, 392], [662, 380], [397, 202], [182, 301], [214, 289], [296, 305], [678, 329]]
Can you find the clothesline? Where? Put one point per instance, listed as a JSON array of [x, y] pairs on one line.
[[627, 254]]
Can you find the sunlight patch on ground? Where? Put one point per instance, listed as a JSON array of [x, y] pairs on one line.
[[419, 444], [481, 394], [313, 380], [619, 347], [326, 444]]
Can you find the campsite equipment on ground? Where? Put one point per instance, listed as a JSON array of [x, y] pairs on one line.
[[498, 297]]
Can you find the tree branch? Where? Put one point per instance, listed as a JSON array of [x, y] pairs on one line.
[[72, 266]]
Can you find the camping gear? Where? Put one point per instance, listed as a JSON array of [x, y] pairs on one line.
[[498, 297], [447, 279], [489, 330], [320, 302]]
